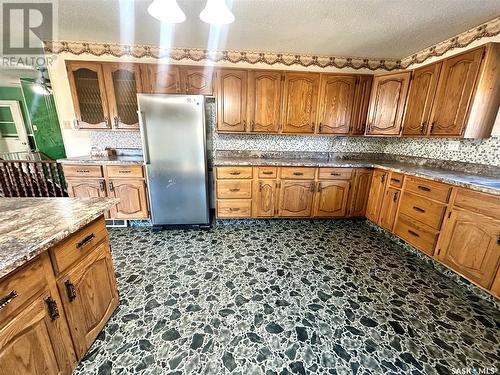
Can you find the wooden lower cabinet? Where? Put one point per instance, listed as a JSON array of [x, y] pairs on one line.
[[296, 198], [264, 198], [376, 195], [470, 244], [86, 188], [331, 199], [359, 192], [133, 201], [389, 208], [89, 296]]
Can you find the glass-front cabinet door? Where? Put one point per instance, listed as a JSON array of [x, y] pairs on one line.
[[122, 85], [88, 90]]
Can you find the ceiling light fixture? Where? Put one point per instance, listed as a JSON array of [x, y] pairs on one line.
[[166, 11], [216, 12], [41, 86]]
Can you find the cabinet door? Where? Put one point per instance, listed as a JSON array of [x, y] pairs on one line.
[[470, 244], [359, 192], [198, 81], [361, 102], [331, 198], [495, 287], [296, 198], [336, 103], [421, 95], [387, 103], [133, 202], [31, 342], [86, 188], [265, 101], [86, 81], [389, 208], [89, 297], [455, 92], [163, 78], [232, 100], [300, 102], [264, 198], [123, 82], [376, 195]]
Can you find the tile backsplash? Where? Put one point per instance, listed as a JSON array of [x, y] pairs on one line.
[[485, 151]]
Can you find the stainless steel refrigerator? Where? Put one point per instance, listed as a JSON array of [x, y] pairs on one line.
[[173, 136]]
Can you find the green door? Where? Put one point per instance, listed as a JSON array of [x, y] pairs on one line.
[[43, 115]]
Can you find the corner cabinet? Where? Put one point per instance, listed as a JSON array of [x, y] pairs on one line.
[[376, 195], [388, 98], [300, 102]]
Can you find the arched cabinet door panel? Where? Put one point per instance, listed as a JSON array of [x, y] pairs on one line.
[[336, 104], [331, 198], [265, 91], [198, 80], [162, 78], [359, 192], [296, 198], [264, 198], [300, 102], [232, 100], [132, 195], [387, 101]]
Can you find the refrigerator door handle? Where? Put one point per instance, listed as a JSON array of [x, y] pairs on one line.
[[144, 137]]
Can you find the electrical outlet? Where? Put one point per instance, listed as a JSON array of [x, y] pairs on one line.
[[453, 145]]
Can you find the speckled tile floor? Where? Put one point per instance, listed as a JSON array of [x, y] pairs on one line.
[[287, 297]]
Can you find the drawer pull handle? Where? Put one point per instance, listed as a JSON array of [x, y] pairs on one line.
[[335, 174], [396, 180], [125, 171], [83, 171], [234, 190], [233, 209], [53, 309], [7, 299], [268, 172], [85, 241], [424, 188], [413, 233], [418, 209], [235, 173], [395, 197], [70, 290], [298, 173]]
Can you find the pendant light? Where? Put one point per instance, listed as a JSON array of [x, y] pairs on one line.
[[167, 11], [216, 12]]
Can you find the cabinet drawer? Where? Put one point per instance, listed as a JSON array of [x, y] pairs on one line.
[[82, 170], [78, 245], [20, 287], [234, 172], [127, 171], [417, 234], [482, 203], [430, 189], [267, 172], [234, 208], [396, 179], [297, 173], [234, 189], [335, 173], [422, 209]]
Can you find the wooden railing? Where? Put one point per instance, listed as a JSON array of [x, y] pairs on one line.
[[29, 178]]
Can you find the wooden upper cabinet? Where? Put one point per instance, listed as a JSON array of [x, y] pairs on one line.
[[300, 101], [454, 93], [331, 198], [232, 100], [361, 102], [359, 192], [133, 202], [420, 98], [123, 82], [89, 296], [162, 78], [336, 100], [265, 88], [88, 90], [387, 101], [470, 244], [376, 195], [197, 80], [296, 198], [264, 198]]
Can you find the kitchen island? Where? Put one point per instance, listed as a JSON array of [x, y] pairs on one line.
[[57, 283]]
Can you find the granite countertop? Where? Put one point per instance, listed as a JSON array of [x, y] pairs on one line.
[[114, 159], [472, 181], [29, 226]]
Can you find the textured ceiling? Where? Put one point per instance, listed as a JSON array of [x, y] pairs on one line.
[[363, 28]]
